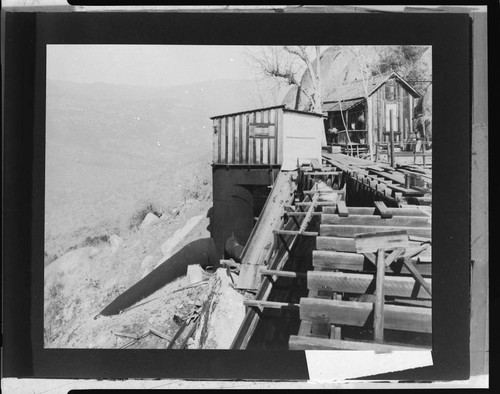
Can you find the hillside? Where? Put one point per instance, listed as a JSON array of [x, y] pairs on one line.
[[115, 152]]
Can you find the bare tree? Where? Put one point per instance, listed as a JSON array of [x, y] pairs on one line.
[[286, 66], [367, 60]]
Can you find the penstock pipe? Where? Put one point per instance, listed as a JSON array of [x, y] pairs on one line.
[[201, 251]]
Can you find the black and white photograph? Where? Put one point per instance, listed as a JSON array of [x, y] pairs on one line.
[[244, 196], [238, 197]]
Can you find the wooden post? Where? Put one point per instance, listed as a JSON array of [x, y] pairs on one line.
[[423, 150], [391, 135], [378, 324]]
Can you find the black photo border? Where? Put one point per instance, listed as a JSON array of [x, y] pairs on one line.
[[26, 37]]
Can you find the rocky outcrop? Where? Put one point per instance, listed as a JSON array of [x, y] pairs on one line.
[[222, 316]]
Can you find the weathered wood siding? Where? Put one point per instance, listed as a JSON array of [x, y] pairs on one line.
[[404, 101], [249, 138]]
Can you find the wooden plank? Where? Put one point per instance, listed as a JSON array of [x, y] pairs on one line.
[[283, 274], [329, 261], [320, 203], [322, 173], [409, 265], [236, 144], [302, 342], [215, 137], [373, 241], [301, 214], [229, 142], [342, 209], [378, 319], [394, 286], [241, 153], [372, 211], [220, 139], [270, 304], [276, 262], [354, 313], [245, 139], [305, 328], [385, 213], [293, 232], [335, 244], [397, 221], [349, 231]]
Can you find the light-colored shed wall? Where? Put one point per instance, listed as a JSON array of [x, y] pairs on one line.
[[303, 137]]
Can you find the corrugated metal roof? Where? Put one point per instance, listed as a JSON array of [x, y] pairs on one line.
[[336, 106]]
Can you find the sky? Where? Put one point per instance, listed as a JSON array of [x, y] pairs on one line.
[[148, 65]]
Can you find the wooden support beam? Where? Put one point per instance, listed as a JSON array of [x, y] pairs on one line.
[[365, 220], [335, 244], [378, 320], [270, 304], [349, 231], [409, 265], [308, 217], [296, 232], [342, 209], [300, 214], [283, 274], [394, 286], [320, 203], [324, 260], [304, 328], [374, 241], [353, 313], [384, 212], [322, 173], [270, 219], [301, 342]]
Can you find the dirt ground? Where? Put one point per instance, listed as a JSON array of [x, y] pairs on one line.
[[82, 282]]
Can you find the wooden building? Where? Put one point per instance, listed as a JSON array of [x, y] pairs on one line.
[[267, 136], [390, 104], [249, 149]]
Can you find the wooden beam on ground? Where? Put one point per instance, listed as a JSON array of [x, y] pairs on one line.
[[300, 342], [349, 231], [353, 313], [394, 286], [365, 220]]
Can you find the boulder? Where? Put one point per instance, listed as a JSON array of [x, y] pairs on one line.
[[171, 245], [221, 315], [115, 242], [149, 219], [194, 273]]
